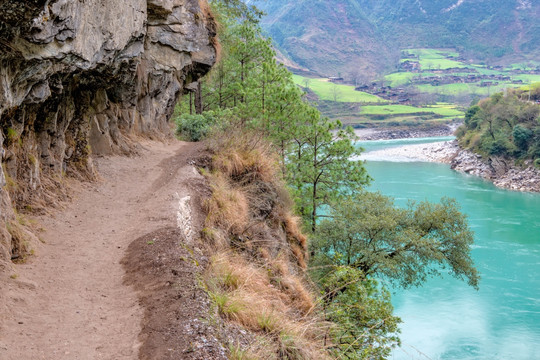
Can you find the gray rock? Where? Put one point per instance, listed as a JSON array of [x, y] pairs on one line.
[[503, 172]]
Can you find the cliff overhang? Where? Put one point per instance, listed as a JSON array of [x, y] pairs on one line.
[[81, 77]]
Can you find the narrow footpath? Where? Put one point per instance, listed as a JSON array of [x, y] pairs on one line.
[[71, 300]]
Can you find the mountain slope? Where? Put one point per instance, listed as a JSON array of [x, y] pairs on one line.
[[348, 36]]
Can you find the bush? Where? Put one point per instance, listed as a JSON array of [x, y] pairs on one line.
[[472, 118], [521, 136], [194, 127], [497, 147]]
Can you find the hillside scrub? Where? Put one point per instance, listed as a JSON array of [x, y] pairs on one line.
[[505, 125], [347, 35], [256, 277]]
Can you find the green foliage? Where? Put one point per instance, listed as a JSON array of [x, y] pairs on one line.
[[362, 310], [249, 90], [194, 127], [471, 118], [12, 134], [322, 168], [226, 307], [366, 237], [522, 136], [314, 151], [504, 125], [404, 245]]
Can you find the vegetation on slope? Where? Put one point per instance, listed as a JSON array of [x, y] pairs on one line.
[[504, 125], [271, 156]]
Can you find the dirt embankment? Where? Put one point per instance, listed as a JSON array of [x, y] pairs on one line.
[[72, 299]]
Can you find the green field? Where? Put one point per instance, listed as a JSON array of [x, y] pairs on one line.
[[434, 59], [342, 102], [326, 90], [444, 110], [460, 89], [528, 78], [400, 78], [523, 66]]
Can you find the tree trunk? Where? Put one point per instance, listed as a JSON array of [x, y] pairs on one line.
[[198, 99]]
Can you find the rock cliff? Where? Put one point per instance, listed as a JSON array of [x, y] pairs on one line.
[[85, 76], [504, 173]]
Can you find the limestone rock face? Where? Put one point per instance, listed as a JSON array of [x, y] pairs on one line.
[[82, 76]]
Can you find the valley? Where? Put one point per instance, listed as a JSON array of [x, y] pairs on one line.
[[430, 87]]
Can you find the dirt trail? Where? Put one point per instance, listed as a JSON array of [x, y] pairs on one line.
[[70, 301]]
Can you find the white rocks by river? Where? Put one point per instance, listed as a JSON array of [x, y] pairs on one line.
[[504, 173], [442, 152]]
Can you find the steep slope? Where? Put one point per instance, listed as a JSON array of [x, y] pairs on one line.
[[352, 35]]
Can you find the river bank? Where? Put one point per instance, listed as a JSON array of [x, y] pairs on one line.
[[504, 173], [406, 133], [441, 152]]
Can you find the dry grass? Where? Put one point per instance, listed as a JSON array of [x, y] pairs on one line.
[[249, 197], [227, 207], [245, 157], [298, 240], [20, 240], [256, 277], [278, 310]]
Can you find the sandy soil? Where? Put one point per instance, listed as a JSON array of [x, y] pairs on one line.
[[71, 300]]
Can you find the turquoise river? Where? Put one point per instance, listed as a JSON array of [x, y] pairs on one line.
[[445, 319]]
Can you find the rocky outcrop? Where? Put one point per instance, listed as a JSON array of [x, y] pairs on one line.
[[502, 172], [84, 76]]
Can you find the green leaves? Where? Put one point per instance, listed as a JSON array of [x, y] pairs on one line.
[[363, 311], [406, 246], [366, 237], [323, 167], [504, 125]]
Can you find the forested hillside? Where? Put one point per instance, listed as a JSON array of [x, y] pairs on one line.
[[505, 125], [349, 36]]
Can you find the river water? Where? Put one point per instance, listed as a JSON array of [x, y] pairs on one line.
[[446, 319]]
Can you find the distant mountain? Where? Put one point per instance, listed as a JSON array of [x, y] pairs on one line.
[[351, 36]]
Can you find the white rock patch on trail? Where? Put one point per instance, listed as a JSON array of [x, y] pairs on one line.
[[183, 217]]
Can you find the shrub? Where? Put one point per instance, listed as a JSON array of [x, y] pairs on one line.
[[521, 136], [499, 146], [194, 127]]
